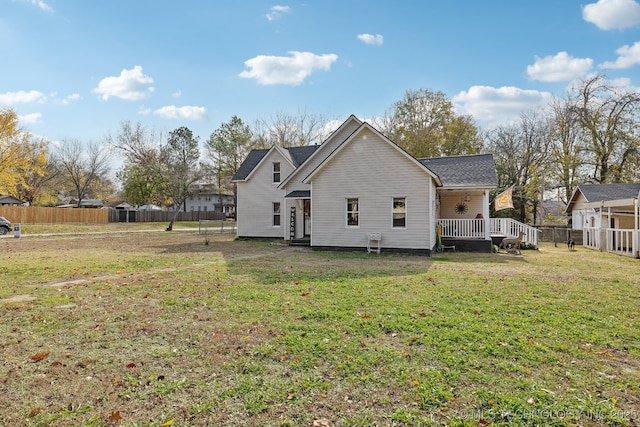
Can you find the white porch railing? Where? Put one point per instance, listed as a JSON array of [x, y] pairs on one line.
[[474, 229], [622, 242], [462, 228], [511, 228], [591, 238]]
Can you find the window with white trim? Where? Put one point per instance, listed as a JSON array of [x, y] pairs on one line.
[[399, 212], [276, 172], [352, 213], [276, 214]]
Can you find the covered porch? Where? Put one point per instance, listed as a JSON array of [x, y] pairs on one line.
[[619, 230], [464, 221]]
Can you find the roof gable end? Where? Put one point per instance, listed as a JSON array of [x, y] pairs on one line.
[[366, 126]]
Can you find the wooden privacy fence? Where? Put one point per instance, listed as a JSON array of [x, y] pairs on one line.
[[121, 215], [40, 215]]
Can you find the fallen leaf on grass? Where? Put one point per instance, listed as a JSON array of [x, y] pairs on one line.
[[115, 417], [39, 356], [366, 316], [34, 412], [167, 423], [131, 365]]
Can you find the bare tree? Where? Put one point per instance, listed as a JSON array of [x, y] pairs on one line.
[[287, 130], [609, 118], [566, 148], [82, 165], [521, 155]]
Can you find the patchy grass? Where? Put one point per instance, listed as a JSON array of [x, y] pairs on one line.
[[141, 329]]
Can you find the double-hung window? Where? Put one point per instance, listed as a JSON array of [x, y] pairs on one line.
[[276, 172], [399, 212], [276, 214], [352, 213]]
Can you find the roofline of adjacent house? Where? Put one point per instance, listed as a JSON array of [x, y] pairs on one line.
[[612, 203], [384, 138], [320, 148]]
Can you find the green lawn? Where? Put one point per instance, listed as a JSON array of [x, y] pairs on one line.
[[151, 329]]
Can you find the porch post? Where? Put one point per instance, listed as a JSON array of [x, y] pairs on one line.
[[485, 214], [636, 233]]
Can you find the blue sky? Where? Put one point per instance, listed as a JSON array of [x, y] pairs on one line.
[[74, 69]]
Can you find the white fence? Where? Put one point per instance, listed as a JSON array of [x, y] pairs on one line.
[[618, 241], [591, 238], [622, 242]]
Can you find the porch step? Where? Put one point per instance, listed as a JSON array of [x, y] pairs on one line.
[[300, 242]]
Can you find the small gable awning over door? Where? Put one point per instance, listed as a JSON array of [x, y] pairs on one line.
[[299, 194]]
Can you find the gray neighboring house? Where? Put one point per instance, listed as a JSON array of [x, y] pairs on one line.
[[358, 189], [10, 201], [608, 215]]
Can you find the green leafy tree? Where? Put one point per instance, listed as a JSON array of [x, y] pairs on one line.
[[179, 167], [226, 149], [425, 124]]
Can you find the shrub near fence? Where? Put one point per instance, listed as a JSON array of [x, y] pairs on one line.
[[40, 215]]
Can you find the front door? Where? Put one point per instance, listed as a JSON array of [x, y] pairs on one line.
[[307, 217]]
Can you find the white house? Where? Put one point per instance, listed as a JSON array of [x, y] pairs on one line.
[[608, 215], [207, 198], [358, 187]]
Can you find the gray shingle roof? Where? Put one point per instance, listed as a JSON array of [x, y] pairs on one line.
[[606, 192], [252, 160], [478, 170], [298, 156]]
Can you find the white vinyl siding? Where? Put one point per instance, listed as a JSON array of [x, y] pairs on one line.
[[256, 197], [327, 148], [373, 170], [474, 204]]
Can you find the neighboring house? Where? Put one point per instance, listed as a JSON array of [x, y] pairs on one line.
[[608, 215], [207, 198], [358, 187], [10, 201], [84, 203]]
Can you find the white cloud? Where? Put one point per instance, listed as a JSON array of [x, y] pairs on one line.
[[492, 106], [277, 11], [291, 70], [177, 94], [612, 14], [144, 111], [559, 68], [186, 112], [41, 5], [131, 85], [371, 39], [22, 97], [68, 99], [29, 118], [628, 56]]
